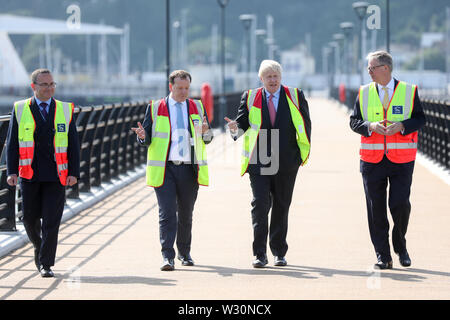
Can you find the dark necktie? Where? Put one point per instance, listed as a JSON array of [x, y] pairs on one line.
[[44, 113]]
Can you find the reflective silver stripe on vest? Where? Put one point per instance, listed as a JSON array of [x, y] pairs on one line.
[[156, 163], [199, 108], [365, 101], [372, 146], [293, 97], [26, 144], [246, 153], [155, 107], [162, 135], [62, 167], [25, 162], [251, 98], [254, 126], [60, 149], [20, 105], [67, 108], [408, 94], [406, 145], [202, 163]]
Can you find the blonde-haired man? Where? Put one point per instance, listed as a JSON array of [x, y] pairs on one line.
[[275, 122]]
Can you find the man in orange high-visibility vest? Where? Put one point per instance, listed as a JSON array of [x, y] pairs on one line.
[[43, 150], [387, 114]]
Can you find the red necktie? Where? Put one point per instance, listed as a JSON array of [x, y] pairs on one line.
[[272, 111]]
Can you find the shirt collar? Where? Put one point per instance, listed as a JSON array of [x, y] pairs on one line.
[[38, 102], [390, 85], [276, 94], [172, 102]]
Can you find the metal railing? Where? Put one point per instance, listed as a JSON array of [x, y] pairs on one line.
[[434, 137], [108, 148]]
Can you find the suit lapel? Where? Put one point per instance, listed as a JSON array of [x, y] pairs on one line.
[[265, 110], [280, 108], [36, 113]]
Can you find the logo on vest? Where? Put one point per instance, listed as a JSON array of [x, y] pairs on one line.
[[61, 127], [397, 109]]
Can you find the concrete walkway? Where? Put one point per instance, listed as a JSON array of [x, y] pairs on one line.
[[111, 250]]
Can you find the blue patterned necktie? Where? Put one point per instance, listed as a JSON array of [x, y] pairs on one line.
[[180, 127], [44, 113]]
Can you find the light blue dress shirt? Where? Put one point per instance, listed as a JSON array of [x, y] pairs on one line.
[[47, 108], [275, 98], [174, 154]]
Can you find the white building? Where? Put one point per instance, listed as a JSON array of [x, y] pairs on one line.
[[297, 63]]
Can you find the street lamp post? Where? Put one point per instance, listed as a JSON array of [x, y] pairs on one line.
[[261, 33], [167, 44], [222, 98], [339, 39], [360, 8], [388, 35], [249, 23], [335, 46], [347, 28]]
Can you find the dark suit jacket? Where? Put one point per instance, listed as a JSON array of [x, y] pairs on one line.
[[416, 121], [289, 153], [147, 124], [44, 164]]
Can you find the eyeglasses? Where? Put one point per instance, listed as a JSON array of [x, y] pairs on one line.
[[46, 85], [371, 69]]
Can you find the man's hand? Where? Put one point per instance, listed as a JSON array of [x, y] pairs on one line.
[[12, 180], [232, 125], [378, 127], [140, 131], [205, 126], [71, 180], [394, 127]]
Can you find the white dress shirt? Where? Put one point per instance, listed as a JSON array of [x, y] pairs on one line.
[[389, 86]]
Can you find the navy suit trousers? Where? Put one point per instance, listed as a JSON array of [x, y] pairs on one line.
[[271, 192], [376, 178], [43, 200], [176, 199]]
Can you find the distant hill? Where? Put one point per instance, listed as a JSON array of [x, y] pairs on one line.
[[293, 20]]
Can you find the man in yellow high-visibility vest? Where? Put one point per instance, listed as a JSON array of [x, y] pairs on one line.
[[277, 126], [387, 114], [43, 150], [176, 129]]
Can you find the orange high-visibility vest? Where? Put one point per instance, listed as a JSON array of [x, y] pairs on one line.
[[398, 148]]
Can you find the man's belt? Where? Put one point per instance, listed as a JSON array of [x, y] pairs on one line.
[[178, 162]]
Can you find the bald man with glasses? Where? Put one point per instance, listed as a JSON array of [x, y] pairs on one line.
[[43, 156]]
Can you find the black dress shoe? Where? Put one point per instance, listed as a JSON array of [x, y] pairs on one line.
[[186, 260], [168, 265], [383, 265], [260, 261], [46, 272], [405, 260], [280, 261]]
